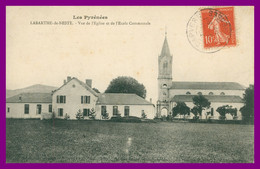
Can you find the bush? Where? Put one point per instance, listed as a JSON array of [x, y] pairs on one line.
[[105, 115], [67, 117], [157, 119], [125, 119], [169, 118], [196, 117], [222, 117], [79, 115], [92, 114], [144, 116], [164, 118]]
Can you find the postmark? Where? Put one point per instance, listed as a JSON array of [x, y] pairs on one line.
[[209, 30]]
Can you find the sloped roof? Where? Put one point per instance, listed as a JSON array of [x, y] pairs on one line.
[[121, 99], [30, 98], [207, 85], [211, 98], [81, 83], [86, 86], [165, 49]]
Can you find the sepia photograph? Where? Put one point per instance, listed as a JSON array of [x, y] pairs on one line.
[[130, 84]]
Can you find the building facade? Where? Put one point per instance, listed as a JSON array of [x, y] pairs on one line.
[[76, 96], [28, 105], [170, 92], [72, 97]]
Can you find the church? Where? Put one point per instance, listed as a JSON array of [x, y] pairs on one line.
[[170, 92]]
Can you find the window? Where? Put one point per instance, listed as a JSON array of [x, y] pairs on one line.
[[127, 110], [115, 110], [164, 93], [26, 109], [222, 93], [164, 85], [211, 93], [39, 109], [165, 66], [50, 108], [188, 93], [60, 112], [8, 109], [199, 93], [103, 110], [85, 112], [61, 99], [85, 99]]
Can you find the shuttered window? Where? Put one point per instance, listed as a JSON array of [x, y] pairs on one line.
[[60, 112], [115, 110], [50, 108], [39, 109], [85, 99], [86, 112], [26, 109], [61, 99], [103, 110], [127, 110]]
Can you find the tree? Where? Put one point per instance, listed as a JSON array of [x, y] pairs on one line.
[[180, 108], [226, 109], [79, 115], [144, 116], [195, 110], [248, 109], [222, 112], [123, 84], [96, 90], [92, 114], [201, 103]]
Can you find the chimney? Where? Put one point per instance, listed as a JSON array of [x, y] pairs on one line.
[[89, 82], [68, 78], [64, 81]]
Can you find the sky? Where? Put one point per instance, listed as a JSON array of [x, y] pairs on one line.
[[47, 54]]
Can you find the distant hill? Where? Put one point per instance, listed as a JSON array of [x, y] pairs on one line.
[[37, 88]]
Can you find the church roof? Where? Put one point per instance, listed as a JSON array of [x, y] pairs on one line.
[[165, 48], [207, 85], [30, 98], [211, 98], [121, 99]]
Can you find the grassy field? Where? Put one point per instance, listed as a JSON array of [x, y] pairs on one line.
[[33, 141]]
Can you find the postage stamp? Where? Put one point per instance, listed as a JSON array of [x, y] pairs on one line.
[[218, 27], [211, 29]]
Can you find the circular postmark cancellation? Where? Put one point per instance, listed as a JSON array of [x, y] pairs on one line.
[[209, 30]]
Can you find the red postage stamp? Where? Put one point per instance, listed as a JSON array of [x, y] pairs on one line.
[[218, 27]]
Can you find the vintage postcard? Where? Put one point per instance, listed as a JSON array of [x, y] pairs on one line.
[[130, 84]]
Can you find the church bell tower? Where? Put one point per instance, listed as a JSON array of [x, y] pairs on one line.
[[164, 79]]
